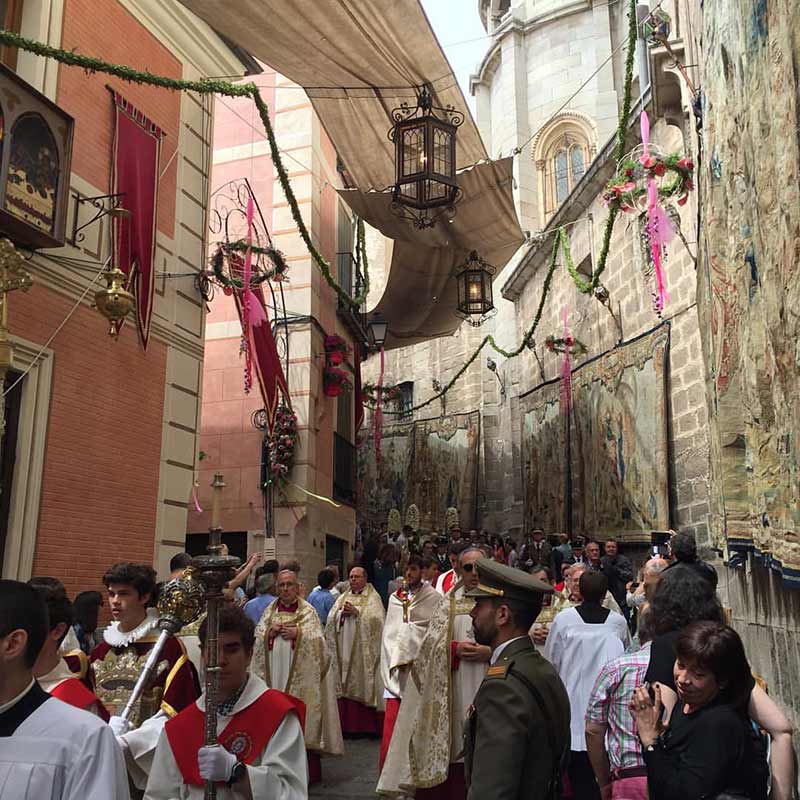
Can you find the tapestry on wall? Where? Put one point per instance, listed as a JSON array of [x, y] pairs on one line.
[[749, 277], [603, 471], [431, 463]]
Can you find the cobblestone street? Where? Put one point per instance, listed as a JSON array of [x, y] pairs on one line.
[[353, 776]]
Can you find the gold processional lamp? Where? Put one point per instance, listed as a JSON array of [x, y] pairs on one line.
[[180, 602], [215, 570], [116, 301]]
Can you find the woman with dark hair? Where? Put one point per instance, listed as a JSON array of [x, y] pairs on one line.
[[682, 597], [709, 747]]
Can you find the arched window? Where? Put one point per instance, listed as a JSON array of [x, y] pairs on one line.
[[562, 153]]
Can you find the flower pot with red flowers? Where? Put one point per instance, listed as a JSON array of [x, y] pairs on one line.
[[335, 381]]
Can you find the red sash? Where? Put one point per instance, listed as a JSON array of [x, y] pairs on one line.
[[72, 691], [246, 735], [449, 581]]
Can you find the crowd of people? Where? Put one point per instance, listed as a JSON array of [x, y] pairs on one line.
[[553, 669]]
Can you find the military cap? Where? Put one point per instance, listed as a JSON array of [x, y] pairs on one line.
[[498, 580]]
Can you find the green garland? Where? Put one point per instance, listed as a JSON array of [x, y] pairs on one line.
[[204, 86]]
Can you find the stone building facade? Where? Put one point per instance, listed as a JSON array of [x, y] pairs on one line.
[[106, 432]]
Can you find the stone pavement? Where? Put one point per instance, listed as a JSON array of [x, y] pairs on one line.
[[352, 776]]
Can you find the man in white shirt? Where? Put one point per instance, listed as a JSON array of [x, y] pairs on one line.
[[581, 641], [48, 750], [260, 752]]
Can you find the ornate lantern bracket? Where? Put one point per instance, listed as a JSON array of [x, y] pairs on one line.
[[424, 137], [474, 283]]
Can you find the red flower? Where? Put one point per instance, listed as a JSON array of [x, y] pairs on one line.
[[648, 162], [682, 200], [660, 169], [332, 389], [227, 291], [335, 357], [686, 163], [689, 184]]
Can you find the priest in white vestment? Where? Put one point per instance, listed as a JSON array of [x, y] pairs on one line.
[[48, 750], [410, 611], [425, 753], [353, 633], [261, 752], [291, 655]]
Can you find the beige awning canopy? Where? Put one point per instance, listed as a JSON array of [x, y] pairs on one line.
[[357, 60]]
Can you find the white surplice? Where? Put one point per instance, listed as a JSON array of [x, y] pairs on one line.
[[61, 753], [579, 650], [280, 773]]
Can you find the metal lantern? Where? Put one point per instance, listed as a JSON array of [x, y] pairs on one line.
[[378, 328], [474, 281], [425, 160]]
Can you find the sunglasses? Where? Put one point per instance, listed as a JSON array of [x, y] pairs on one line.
[[468, 567]]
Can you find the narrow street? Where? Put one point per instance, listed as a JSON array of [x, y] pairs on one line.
[[352, 777]]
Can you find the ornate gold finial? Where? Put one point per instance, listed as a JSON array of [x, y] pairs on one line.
[[181, 601], [114, 302]]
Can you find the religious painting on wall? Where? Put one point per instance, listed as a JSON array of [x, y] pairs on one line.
[[605, 469], [430, 463]]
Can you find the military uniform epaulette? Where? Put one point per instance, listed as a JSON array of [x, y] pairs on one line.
[[497, 671]]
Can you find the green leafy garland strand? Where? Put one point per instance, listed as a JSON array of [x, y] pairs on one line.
[[205, 86]]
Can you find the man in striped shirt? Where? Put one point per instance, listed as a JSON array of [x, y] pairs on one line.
[[611, 739]]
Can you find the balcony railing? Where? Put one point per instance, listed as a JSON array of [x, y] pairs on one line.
[[352, 281], [344, 470]]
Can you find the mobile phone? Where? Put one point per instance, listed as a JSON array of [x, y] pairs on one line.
[[658, 542]]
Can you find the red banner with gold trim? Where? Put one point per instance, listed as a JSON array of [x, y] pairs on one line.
[[137, 150]]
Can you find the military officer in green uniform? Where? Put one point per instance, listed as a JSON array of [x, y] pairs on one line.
[[518, 729]]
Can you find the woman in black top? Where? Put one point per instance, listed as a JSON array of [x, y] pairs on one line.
[[709, 746]]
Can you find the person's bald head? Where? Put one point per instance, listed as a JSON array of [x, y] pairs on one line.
[[287, 586], [466, 566], [651, 573], [357, 579]]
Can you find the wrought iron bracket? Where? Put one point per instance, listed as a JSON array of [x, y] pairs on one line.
[[104, 205]]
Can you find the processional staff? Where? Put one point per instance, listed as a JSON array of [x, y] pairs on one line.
[[215, 570]]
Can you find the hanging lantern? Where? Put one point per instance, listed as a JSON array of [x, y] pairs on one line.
[[474, 281], [425, 161], [115, 302]]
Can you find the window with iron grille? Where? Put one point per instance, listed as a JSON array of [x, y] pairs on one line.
[[405, 402]]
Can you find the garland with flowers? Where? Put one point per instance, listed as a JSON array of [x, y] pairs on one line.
[[565, 344], [282, 443], [628, 187]]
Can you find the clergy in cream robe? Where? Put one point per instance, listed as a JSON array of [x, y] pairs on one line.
[[407, 618], [50, 750], [300, 667], [426, 745], [353, 633], [263, 729]]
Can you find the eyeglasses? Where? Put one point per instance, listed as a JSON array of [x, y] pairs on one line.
[[468, 567]]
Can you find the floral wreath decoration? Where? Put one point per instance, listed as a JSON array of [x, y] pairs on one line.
[[628, 189], [282, 442], [566, 344]]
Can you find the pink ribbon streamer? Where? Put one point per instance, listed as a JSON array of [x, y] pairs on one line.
[[196, 502], [566, 367], [659, 226], [378, 414]]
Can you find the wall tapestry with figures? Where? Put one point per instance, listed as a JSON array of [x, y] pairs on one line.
[[605, 468], [431, 463]]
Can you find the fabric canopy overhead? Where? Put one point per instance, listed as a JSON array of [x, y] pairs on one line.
[[357, 60], [420, 295]]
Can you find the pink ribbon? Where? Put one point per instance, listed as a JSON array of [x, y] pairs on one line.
[[378, 413], [566, 367], [197, 506]]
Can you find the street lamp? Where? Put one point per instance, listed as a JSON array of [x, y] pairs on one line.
[[425, 160], [474, 281], [378, 328]]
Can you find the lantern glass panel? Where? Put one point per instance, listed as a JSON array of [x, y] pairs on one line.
[[413, 150], [442, 150]]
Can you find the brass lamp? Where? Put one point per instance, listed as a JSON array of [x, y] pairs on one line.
[[115, 302]]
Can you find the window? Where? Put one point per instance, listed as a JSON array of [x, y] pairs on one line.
[[344, 415], [11, 17], [564, 168], [405, 402]]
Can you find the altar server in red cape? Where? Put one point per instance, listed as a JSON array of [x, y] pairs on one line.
[[53, 671], [261, 752]]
